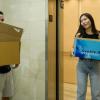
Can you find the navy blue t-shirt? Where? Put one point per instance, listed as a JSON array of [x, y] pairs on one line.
[[93, 36], [5, 69]]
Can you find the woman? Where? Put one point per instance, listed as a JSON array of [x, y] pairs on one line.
[[88, 67]]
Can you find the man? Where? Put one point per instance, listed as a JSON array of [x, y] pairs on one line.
[[6, 78], [1, 16]]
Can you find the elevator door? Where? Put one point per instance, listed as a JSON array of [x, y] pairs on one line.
[[72, 11], [51, 49]]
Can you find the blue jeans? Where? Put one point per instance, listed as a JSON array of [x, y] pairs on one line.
[[87, 68]]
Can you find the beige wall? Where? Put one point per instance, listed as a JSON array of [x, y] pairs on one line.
[[70, 27], [93, 7], [29, 78], [70, 23]]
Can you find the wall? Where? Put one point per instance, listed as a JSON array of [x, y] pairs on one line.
[[70, 27], [29, 78]]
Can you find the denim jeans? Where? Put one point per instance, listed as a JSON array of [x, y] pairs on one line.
[[88, 68]]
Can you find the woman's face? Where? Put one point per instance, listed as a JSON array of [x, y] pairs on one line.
[[85, 22]]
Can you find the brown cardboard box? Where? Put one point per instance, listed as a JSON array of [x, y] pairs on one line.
[[9, 44]]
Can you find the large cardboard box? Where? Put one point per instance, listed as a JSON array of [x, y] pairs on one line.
[[10, 44]]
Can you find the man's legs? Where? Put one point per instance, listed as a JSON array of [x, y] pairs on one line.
[[8, 90], [5, 98], [2, 82]]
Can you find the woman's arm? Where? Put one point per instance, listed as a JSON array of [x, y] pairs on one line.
[[78, 35], [99, 35]]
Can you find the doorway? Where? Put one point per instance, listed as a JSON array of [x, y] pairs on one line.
[[72, 11]]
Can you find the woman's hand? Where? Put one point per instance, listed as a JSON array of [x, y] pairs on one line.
[[99, 35], [78, 35]]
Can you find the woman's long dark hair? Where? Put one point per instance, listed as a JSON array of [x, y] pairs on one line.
[[81, 29]]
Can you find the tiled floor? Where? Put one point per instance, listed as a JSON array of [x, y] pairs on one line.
[[70, 92]]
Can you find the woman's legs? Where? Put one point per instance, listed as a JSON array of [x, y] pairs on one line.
[[82, 78], [95, 80]]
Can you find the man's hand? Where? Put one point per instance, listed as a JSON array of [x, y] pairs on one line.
[[15, 66]]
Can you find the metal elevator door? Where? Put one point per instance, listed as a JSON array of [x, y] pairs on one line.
[[55, 46], [52, 50]]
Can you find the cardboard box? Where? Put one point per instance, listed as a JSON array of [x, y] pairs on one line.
[[10, 44]]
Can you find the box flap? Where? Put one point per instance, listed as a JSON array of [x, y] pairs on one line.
[[10, 32]]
